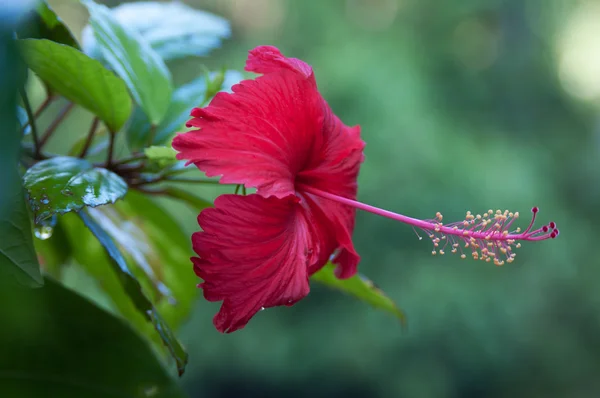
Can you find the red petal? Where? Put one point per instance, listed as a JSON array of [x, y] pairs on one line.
[[268, 59], [276, 133], [334, 168], [254, 253], [260, 136]]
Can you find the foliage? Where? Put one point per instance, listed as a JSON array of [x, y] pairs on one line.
[[102, 217]]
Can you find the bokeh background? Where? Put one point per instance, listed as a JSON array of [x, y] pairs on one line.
[[464, 105]]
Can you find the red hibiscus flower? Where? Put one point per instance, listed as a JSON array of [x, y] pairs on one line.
[[277, 134]]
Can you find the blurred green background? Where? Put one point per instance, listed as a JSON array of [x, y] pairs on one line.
[[464, 105]]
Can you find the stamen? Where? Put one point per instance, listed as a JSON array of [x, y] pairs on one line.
[[487, 235]]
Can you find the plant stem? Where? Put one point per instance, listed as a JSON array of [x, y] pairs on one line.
[[132, 158], [192, 200], [90, 137], [150, 191], [39, 111], [34, 133], [44, 105], [55, 123], [151, 134], [111, 145], [193, 181]]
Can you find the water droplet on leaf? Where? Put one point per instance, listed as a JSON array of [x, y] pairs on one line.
[[43, 232], [45, 228], [262, 308], [45, 199], [67, 192]]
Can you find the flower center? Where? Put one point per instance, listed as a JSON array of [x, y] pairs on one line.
[[488, 237]]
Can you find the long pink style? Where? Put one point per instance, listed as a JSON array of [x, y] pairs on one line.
[[488, 236]]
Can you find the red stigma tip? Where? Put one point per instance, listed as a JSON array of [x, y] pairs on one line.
[[535, 209], [552, 224], [545, 228]]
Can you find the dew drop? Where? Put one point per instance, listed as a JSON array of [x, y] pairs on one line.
[[43, 232], [262, 308], [45, 228], [67, 192]]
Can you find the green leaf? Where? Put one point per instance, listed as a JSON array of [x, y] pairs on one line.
[[190, 199], [215, 84], [162, 156], [134, 60], [135, 292], [157, 249], [173, 29], [80, 79], [55, 343], [359, 287], [185, 98], [45, 24], [91, 256], [17, 256], [63, 184]]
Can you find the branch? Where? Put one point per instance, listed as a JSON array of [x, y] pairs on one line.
[[90, 137], [111, 146], [55, 123], [34, 133]]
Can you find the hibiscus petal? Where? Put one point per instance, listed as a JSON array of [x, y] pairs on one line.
[[334, 168], [268, 59], [260, 136], [254, 253]]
